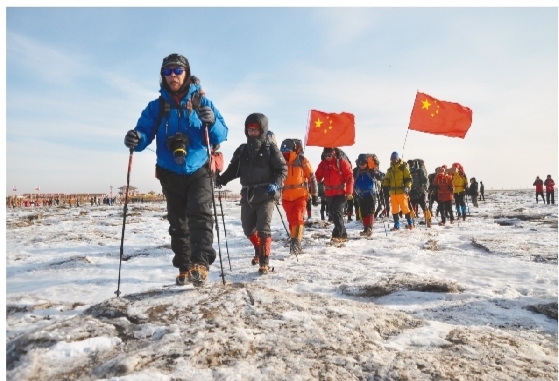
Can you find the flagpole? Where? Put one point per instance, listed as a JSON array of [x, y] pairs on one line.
[[406, 138], [307, 131]]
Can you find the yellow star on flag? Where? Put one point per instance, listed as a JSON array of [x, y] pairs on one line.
[[426, 104], [318, 122]]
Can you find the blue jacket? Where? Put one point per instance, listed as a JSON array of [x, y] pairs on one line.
[[365, 182], [179, 121]]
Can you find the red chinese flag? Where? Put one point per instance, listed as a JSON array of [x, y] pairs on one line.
[[330, 130], [439, 117]]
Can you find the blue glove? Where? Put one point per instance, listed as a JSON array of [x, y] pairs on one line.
[[272, 188], [206, 115], [406, 190]]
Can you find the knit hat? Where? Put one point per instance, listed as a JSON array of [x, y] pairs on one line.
[[394, 156], [176, 59], [287, 145]]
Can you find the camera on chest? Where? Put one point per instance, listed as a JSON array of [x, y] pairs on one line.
[[177, 145]]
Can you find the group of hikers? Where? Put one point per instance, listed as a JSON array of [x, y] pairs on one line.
[[549, 189], [188, 129]]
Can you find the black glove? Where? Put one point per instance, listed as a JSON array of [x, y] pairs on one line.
[[314, 201], [218, 183], [206, 115], [131, 139]]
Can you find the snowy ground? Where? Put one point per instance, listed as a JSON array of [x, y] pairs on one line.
[[470, 301]]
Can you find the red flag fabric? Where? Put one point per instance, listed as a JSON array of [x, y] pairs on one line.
[[437, 117], [330, 130]]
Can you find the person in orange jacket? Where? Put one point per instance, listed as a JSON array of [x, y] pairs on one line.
[[299, 184], [337, 175]]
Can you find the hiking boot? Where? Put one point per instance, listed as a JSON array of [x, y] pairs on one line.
[[442, 223], [182, 278], [295, 246], [254, 260], [410, 227], [451, 222], [263, 269], [464, 217], [394, 229], [198, 274], [367, 232]]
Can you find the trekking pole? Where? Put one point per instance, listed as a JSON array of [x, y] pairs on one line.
[[385, 210], [287, 231], [224, 229], [125, 212], [213, 201]]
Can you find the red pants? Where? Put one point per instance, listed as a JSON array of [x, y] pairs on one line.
[[295, 212]]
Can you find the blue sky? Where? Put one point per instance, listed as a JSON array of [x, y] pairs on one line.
[[78, 78]]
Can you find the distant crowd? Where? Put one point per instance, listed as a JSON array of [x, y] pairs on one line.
[[71, 200]]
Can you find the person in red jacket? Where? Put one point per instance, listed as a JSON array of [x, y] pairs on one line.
[[337, 175], [539, 188], [549, 189], [445, 189]]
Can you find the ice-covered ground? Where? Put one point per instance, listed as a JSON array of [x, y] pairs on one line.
[[470, 301]]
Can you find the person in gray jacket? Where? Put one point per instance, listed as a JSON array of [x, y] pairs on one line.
[[262, 169]]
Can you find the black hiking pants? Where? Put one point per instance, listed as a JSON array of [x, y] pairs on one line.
[[257, 217], [540, 194], [323, 207], [550, 197], [189, 208], [336, 204], [366, 205], [417, 198], [446, 209]]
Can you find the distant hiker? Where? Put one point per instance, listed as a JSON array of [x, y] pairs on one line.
[[182, 164], [261, 168], [433, 192], [539, 188], [338, 186], [299, 185], [481, 191], [549, 189], [473, 191], [445, 191], [460, 182], [419, 188], [365, 187], [399, 179]]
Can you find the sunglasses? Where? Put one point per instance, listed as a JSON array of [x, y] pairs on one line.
[[177, 71]]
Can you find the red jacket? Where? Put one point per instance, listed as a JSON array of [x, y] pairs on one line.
[[446, 189], [549, 184], [337, 181], [539, 185]]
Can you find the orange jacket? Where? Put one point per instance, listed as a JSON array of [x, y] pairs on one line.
[[300, 177]]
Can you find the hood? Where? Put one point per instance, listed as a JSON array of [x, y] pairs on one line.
[[261, 120]]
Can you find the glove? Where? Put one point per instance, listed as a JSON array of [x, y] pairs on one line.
[[406, 190], [349, 197], [206, 115], [218, 183], [314, 201], [131, 139], [272, 188]]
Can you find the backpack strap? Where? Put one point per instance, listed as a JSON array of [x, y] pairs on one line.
[[164, 111]]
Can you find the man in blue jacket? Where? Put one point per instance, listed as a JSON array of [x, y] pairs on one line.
[[180, 122]]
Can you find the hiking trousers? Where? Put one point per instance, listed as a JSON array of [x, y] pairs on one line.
[[295, 211], [550, 197], [189, 212], [336, 205], [257, 217], [540, 194]]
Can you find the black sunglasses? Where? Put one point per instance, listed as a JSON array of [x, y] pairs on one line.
[[177, 71]]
